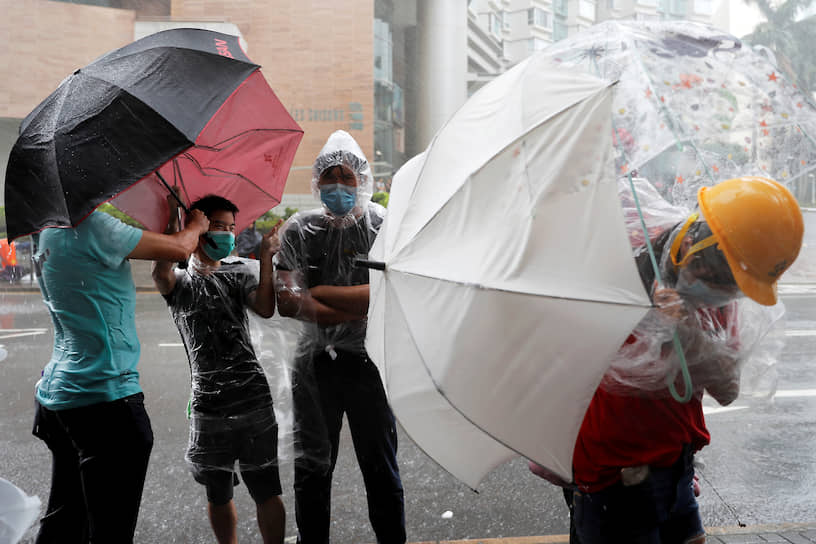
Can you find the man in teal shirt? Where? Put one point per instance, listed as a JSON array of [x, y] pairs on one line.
[[90, 406]]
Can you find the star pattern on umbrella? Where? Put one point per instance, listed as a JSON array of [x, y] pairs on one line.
[[772, 76]]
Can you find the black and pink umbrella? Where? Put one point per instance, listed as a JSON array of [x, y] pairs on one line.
[[181, 107]]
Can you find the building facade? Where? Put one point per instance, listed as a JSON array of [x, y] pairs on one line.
[[390, 72]]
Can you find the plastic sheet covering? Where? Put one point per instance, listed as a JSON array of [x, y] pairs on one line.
[[721, 332], [320, 249], [342, 149], [231, 402], [17, 512], [314, 251]]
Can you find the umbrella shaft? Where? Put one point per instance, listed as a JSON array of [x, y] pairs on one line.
[[375, 265]]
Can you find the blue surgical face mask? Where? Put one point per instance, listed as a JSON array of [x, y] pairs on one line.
[[338, 198], [701, 294], [224, 244]]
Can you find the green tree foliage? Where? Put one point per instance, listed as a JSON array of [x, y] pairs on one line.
[[381, 198], [270, 219], [790, 38], [110, 209]]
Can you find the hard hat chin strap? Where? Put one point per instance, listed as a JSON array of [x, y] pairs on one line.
[[678, 241]]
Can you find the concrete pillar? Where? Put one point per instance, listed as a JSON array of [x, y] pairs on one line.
[[442, 64]]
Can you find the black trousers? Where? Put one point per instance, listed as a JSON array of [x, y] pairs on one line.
[[99, 463], [349, 384]]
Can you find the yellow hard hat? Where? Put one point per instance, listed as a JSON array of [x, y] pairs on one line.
[[758, 226]]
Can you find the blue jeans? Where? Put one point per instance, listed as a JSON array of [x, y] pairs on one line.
[[100, 454], [660, 510], [321, 393]]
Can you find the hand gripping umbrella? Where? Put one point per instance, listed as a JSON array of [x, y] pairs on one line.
[[183, 106], [509, 279]]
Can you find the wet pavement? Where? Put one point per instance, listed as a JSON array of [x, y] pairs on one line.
[[759, 469]]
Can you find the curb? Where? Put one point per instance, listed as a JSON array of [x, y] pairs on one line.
[[766, 530]]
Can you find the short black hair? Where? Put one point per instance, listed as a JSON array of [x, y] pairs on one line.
[[213, 203]]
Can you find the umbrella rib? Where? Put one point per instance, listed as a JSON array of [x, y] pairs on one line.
[[538, 295], [206, 169], [220, 145], [450, 403], [605, 88]]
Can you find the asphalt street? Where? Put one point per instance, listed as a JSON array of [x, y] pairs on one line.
[[760, 468]]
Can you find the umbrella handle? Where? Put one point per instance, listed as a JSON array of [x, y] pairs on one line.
[[181, 264], [186, 210], [372, 265], [688, 389], [172, 192], [678, 347]]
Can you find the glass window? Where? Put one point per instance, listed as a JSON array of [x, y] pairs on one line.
[[559, 30], [496, 23], [586, 9], [383, 49], [537, 17]]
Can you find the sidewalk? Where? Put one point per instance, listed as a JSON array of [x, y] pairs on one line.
[[790, 533]]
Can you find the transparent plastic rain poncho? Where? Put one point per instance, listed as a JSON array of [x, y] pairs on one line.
[[319, 248], [230, 400], [724, 334]]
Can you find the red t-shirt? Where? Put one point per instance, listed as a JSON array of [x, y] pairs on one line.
[[622, 432], [625, 431]]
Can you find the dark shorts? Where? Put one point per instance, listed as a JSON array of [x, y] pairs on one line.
[[216, 443]]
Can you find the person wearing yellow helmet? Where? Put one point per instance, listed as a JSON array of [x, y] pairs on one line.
[[633, 459], [757, 224]]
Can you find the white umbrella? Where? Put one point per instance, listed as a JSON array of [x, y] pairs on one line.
[[509, 279]]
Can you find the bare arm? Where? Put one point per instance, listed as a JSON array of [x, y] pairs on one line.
[[172, 247], [351, 299], [262, 299], [162, 273], [298, 303]]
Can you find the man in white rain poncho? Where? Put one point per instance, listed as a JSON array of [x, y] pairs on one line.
[[319, 284], [632, 462], [231, 411]]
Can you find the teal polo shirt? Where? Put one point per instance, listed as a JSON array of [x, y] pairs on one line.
[[88, 288]]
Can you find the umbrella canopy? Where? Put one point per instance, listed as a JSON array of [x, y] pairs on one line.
[[186, 103], [509, 280], [509, 277], [695, 106]]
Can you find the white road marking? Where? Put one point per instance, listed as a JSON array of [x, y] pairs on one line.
[[785, 394], [16, 333], [801, 332], [721, 409], [795, 393], [172, 345]]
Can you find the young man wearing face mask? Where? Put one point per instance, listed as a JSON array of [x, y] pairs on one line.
[[319, 284], [231, 411], [632, 463]]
